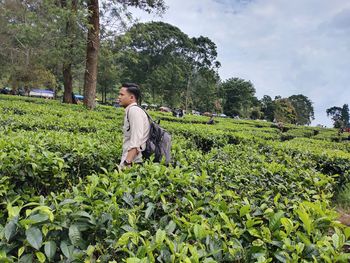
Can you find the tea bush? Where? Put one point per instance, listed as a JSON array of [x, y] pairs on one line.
[[236, 191]]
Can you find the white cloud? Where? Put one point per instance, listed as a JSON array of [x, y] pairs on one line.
[[284, 47]]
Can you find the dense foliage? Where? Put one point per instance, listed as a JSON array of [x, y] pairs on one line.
[[340, 116], [47, 44], [236, 191]]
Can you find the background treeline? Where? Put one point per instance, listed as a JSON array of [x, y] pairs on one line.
[[54, 45]]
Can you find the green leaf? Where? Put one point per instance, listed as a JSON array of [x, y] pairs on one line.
[[27, 258], [124, 239], [20, 251], [2, 232], [13, 211], [254, 232], [170, 228], [10, 230], [244, 210], [90, 250], [305, 218], [304, 239], [160, 236], [281, 256], [347, 232], [345, 257], [209, 260], [66, 250], [50, 249], [34, 237], [276, 198], [38, 218], [74, 234], [336, 241], [287, 224], [310, 251], [338, 238], [41, 257], [199, 231], [128, 199], [194, 253], [149, 210], [275, 221], [225, 218], [228, 223], [45, 210], [132, 219], [81, 214], [133, 260]]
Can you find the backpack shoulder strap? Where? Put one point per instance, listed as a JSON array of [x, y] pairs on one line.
[[148, 116]]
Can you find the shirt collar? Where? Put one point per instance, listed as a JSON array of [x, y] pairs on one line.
[[132, 104]]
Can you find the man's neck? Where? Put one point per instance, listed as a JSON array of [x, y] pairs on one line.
[[131, 104]]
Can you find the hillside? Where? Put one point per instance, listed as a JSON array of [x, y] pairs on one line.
[[236, 191]]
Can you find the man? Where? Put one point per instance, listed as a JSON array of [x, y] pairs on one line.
[[136, 125]]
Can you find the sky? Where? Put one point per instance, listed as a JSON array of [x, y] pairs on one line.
[[283, 47]]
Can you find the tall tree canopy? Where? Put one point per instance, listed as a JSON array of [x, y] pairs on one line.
[[268, 108], [38, 35], [164, 60], [339, 115], [22, 28], [93, 38], [345, 115], [284, 111], [239, 97], [303, 108]]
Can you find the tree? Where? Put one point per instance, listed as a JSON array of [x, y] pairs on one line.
[[268, 108], [345, 115], [239, 97], [304, 109], [41, 36], [164, 61], [205, 96], [62, 24], [284, 111], [70, 45], [23, 26], [92, 50], [109, 73], [339, 115], [151, 54], [203, 65]]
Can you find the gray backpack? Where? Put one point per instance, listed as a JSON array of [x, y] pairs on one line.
[[158, 142]]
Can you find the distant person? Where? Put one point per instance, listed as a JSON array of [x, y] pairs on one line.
[[136, 126], [211, 120], [340, 131], [175, 113], [74, 99], [280, 126]]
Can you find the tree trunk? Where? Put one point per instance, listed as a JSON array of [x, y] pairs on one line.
[[68, 83], [93, 43], [67, 66], [188, 92]]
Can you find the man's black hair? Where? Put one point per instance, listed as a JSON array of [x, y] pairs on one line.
[[133, 89]]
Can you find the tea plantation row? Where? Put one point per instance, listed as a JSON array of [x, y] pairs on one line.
[[236, 191]]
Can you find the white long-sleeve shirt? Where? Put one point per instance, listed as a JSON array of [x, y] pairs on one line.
[[135, 131]]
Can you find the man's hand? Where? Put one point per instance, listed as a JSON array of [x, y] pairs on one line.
[[132, 153]]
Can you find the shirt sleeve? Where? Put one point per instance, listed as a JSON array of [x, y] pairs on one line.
[[136, 128]]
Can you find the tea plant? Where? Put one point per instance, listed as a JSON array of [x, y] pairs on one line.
[[236, 191]]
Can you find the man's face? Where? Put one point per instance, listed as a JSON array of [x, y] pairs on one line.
[[125, 98]]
